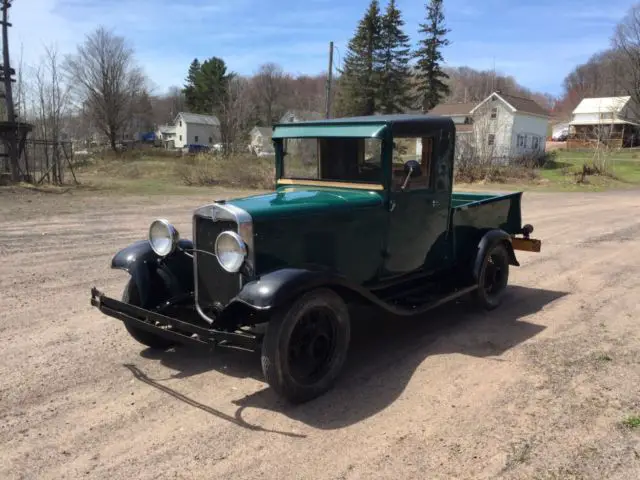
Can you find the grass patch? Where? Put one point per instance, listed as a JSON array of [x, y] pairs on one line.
[[241, 171], [604, 358], [632, 421], [567, 166], [157, 171]]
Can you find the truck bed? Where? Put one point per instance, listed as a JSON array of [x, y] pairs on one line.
[[472, 214]]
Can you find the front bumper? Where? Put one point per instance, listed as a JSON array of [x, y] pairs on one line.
[[172, 328]]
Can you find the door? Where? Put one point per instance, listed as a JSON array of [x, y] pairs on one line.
[[418, 217]]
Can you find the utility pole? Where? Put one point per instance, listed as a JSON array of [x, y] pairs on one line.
[[329, 77], [11, 143]]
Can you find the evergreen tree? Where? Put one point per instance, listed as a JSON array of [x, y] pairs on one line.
[[212, 85], [190, 93], [394, 91], [206, 85], [431, 78], [360, 73]]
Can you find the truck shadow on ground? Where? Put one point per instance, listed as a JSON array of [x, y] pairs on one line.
[[384, 354]]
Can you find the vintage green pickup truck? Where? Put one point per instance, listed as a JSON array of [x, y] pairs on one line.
[[363, 212]]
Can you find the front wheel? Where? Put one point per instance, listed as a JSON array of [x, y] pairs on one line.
[[305, 346], [493, 277], [132, 297]]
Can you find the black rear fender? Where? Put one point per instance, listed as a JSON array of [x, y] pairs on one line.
[[487, 242], [157, 278]]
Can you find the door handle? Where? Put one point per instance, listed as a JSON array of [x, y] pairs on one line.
[[435, 203]]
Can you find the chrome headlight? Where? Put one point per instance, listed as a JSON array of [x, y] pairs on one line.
[[231, 251], [163, 237]]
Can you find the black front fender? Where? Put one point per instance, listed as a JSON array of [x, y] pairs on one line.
[[157, 278], [279, 287]]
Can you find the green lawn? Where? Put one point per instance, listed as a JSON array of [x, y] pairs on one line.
[[624, 171]]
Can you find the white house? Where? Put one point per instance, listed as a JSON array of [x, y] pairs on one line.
[[261, 140], [167, 135], [194, 128], [606, 118], [500, 126]]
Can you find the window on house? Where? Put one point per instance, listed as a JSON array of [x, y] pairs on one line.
[[210, 139], [491, 139], [522, 141], [180, 122], [180, 137], [195, 139], [535, 143], [494, 113]]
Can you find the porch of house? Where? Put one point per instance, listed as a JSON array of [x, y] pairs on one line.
[[617, 135]]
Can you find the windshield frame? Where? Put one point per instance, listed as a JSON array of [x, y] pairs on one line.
[[378, 184]]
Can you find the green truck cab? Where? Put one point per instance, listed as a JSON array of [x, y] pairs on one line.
[[363, 212]]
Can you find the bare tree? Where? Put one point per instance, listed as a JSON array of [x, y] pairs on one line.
[[627, 41], [167, 106], [51, 106], [269, 86], [106, 80], [235, 113]]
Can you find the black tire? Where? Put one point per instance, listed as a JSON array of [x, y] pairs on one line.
[[313, 328], [132, 297], [493, 277]]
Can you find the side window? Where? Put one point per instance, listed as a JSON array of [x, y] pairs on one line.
[[195, 139], [419, 149]]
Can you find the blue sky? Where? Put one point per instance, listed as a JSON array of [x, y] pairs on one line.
[[538, 42]]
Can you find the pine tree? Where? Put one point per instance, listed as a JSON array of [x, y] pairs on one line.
[[430, 75], [206, 85], [394, 91], [190, 91], [212, 85], [359, 80]]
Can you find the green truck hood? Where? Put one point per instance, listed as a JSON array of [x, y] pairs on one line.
[[303, 201]]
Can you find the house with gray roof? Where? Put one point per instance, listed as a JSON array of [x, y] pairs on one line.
[[500, 126], [196, 129]]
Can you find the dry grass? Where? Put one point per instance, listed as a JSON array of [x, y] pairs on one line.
[[244, 171], [159, 171]]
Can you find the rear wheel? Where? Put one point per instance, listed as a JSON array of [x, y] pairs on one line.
[[132, 297], [305, 346], [493, 277]]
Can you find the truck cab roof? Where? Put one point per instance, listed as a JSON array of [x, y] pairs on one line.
[[400, 124]]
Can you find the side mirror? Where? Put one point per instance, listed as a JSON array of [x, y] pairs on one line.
[[411, 167]]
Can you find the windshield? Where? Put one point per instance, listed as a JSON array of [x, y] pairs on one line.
[[334, 159]]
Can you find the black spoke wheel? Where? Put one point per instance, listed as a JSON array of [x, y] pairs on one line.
[[305, 345], [493, 277], [132, 297]]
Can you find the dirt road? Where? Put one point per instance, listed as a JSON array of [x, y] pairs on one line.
[[538, 389]]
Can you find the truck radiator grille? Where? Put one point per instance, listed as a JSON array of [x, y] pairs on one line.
[[214, 286]]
